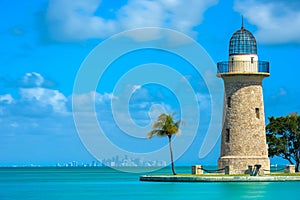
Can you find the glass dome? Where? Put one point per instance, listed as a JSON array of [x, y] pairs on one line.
[[242, 42]]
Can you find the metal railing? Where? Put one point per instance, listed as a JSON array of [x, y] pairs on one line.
[[243, 67]]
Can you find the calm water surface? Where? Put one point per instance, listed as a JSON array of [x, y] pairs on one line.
[[106, 183]]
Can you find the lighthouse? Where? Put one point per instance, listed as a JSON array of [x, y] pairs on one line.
[[243, 141]]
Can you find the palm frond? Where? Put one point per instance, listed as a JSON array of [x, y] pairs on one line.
[[177, 124], [158, 124], [178, 132], [159, 133], [162, 117], [164, 126]]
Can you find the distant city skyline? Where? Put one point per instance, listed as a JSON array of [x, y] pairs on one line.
[[116, 161]]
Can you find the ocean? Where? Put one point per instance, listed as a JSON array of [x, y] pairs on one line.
[[45, 183]]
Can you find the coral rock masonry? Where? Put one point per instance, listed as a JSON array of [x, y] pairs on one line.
[[243, 141]]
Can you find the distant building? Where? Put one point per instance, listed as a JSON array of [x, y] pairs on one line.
[[243, 140]]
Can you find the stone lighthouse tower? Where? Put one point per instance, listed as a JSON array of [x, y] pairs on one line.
[[243, 142]]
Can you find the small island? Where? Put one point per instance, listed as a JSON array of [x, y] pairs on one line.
[[256, 175], [220, 178]]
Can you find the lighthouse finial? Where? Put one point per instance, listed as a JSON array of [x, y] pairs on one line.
[[242, 22]]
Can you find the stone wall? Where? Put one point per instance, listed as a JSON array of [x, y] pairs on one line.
[[243, 140], [240, 165], [197, 169]]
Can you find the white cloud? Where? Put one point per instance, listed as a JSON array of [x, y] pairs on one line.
[[14, 125], [33, 79], [45, 97], [136, 87], [102, 98], [141, 13], [73, 20], [83, 102], [157, 109], [175, 14], [204, 100], [277, 22], [7, 98], [282, 92]]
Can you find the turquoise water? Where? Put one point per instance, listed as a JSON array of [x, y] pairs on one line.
[[106, 183]]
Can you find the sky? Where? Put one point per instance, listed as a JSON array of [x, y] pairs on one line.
[[47, 46]]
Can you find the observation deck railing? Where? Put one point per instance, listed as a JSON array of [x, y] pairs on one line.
[[243, 67]]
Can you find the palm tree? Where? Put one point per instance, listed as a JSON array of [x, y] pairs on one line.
[[165, 126]]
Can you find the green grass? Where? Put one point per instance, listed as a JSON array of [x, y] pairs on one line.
[[284, 174], [271, 174], [200, 175]]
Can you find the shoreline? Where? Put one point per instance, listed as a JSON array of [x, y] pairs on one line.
[[219, 178]]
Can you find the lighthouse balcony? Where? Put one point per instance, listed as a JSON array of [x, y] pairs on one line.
[[243, 67]]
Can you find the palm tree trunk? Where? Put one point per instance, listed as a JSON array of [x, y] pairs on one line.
[[171, 153]]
